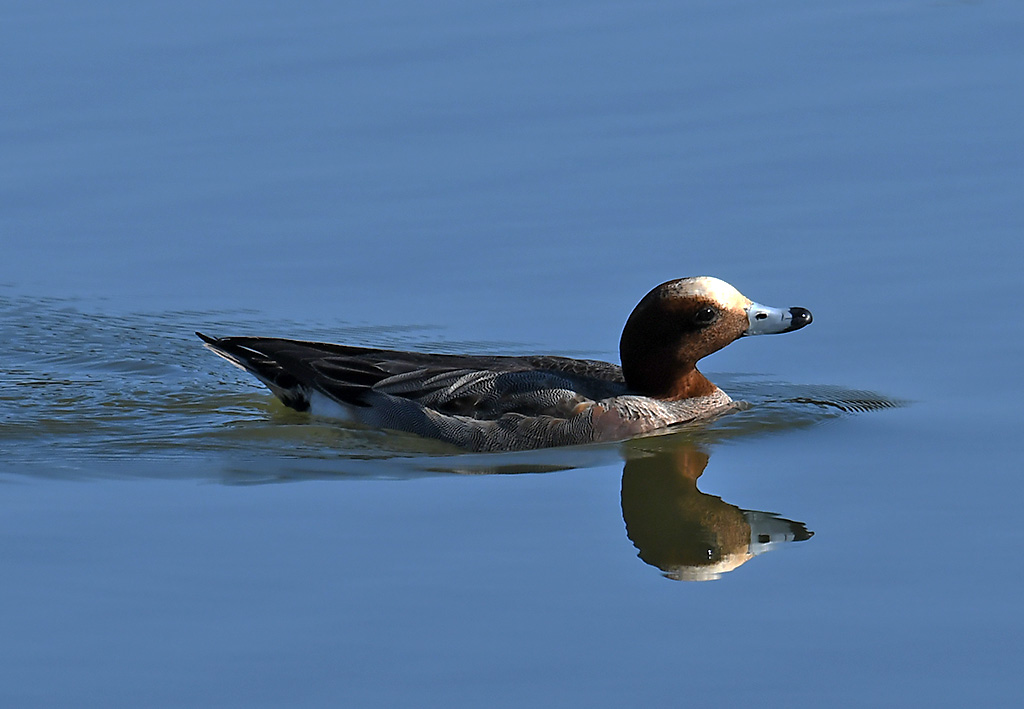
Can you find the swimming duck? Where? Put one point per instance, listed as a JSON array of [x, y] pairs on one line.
[[502, 403]]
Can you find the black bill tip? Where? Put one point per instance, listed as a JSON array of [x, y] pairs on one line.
[[801, 317]]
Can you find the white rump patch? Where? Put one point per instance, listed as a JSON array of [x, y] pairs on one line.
[[323, 405]]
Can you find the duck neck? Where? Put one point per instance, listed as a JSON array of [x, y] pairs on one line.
[[664, 377], [691, 385], [654, 361]]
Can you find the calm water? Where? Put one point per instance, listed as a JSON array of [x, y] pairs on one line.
[[510, 178]]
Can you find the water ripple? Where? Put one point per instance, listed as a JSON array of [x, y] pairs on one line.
[[137, 393]]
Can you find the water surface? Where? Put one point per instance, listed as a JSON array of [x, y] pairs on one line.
[[512, 179]]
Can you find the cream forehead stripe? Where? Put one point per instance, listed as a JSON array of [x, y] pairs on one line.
[[708, 287]]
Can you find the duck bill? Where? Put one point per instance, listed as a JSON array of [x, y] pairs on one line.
[[765, 320]]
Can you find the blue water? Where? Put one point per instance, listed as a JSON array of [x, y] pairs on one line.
[[509, 178]]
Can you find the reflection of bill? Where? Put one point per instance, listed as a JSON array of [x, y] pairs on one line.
[[687, 534]]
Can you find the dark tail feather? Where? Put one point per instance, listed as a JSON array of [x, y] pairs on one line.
[[283, 384]]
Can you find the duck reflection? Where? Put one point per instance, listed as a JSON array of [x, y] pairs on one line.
[[688, 534]]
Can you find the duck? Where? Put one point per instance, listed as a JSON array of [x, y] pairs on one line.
[[491, 403]]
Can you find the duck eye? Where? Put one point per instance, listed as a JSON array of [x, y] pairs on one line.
[[705, 316]]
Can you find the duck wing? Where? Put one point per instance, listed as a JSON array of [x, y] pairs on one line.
[[479, 387]]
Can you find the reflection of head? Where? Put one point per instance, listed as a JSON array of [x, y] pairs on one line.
[[687, 534]]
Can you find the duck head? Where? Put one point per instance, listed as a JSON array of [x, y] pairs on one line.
[[682, 321]]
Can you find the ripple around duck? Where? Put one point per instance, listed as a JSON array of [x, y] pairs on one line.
[[136, 395]]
